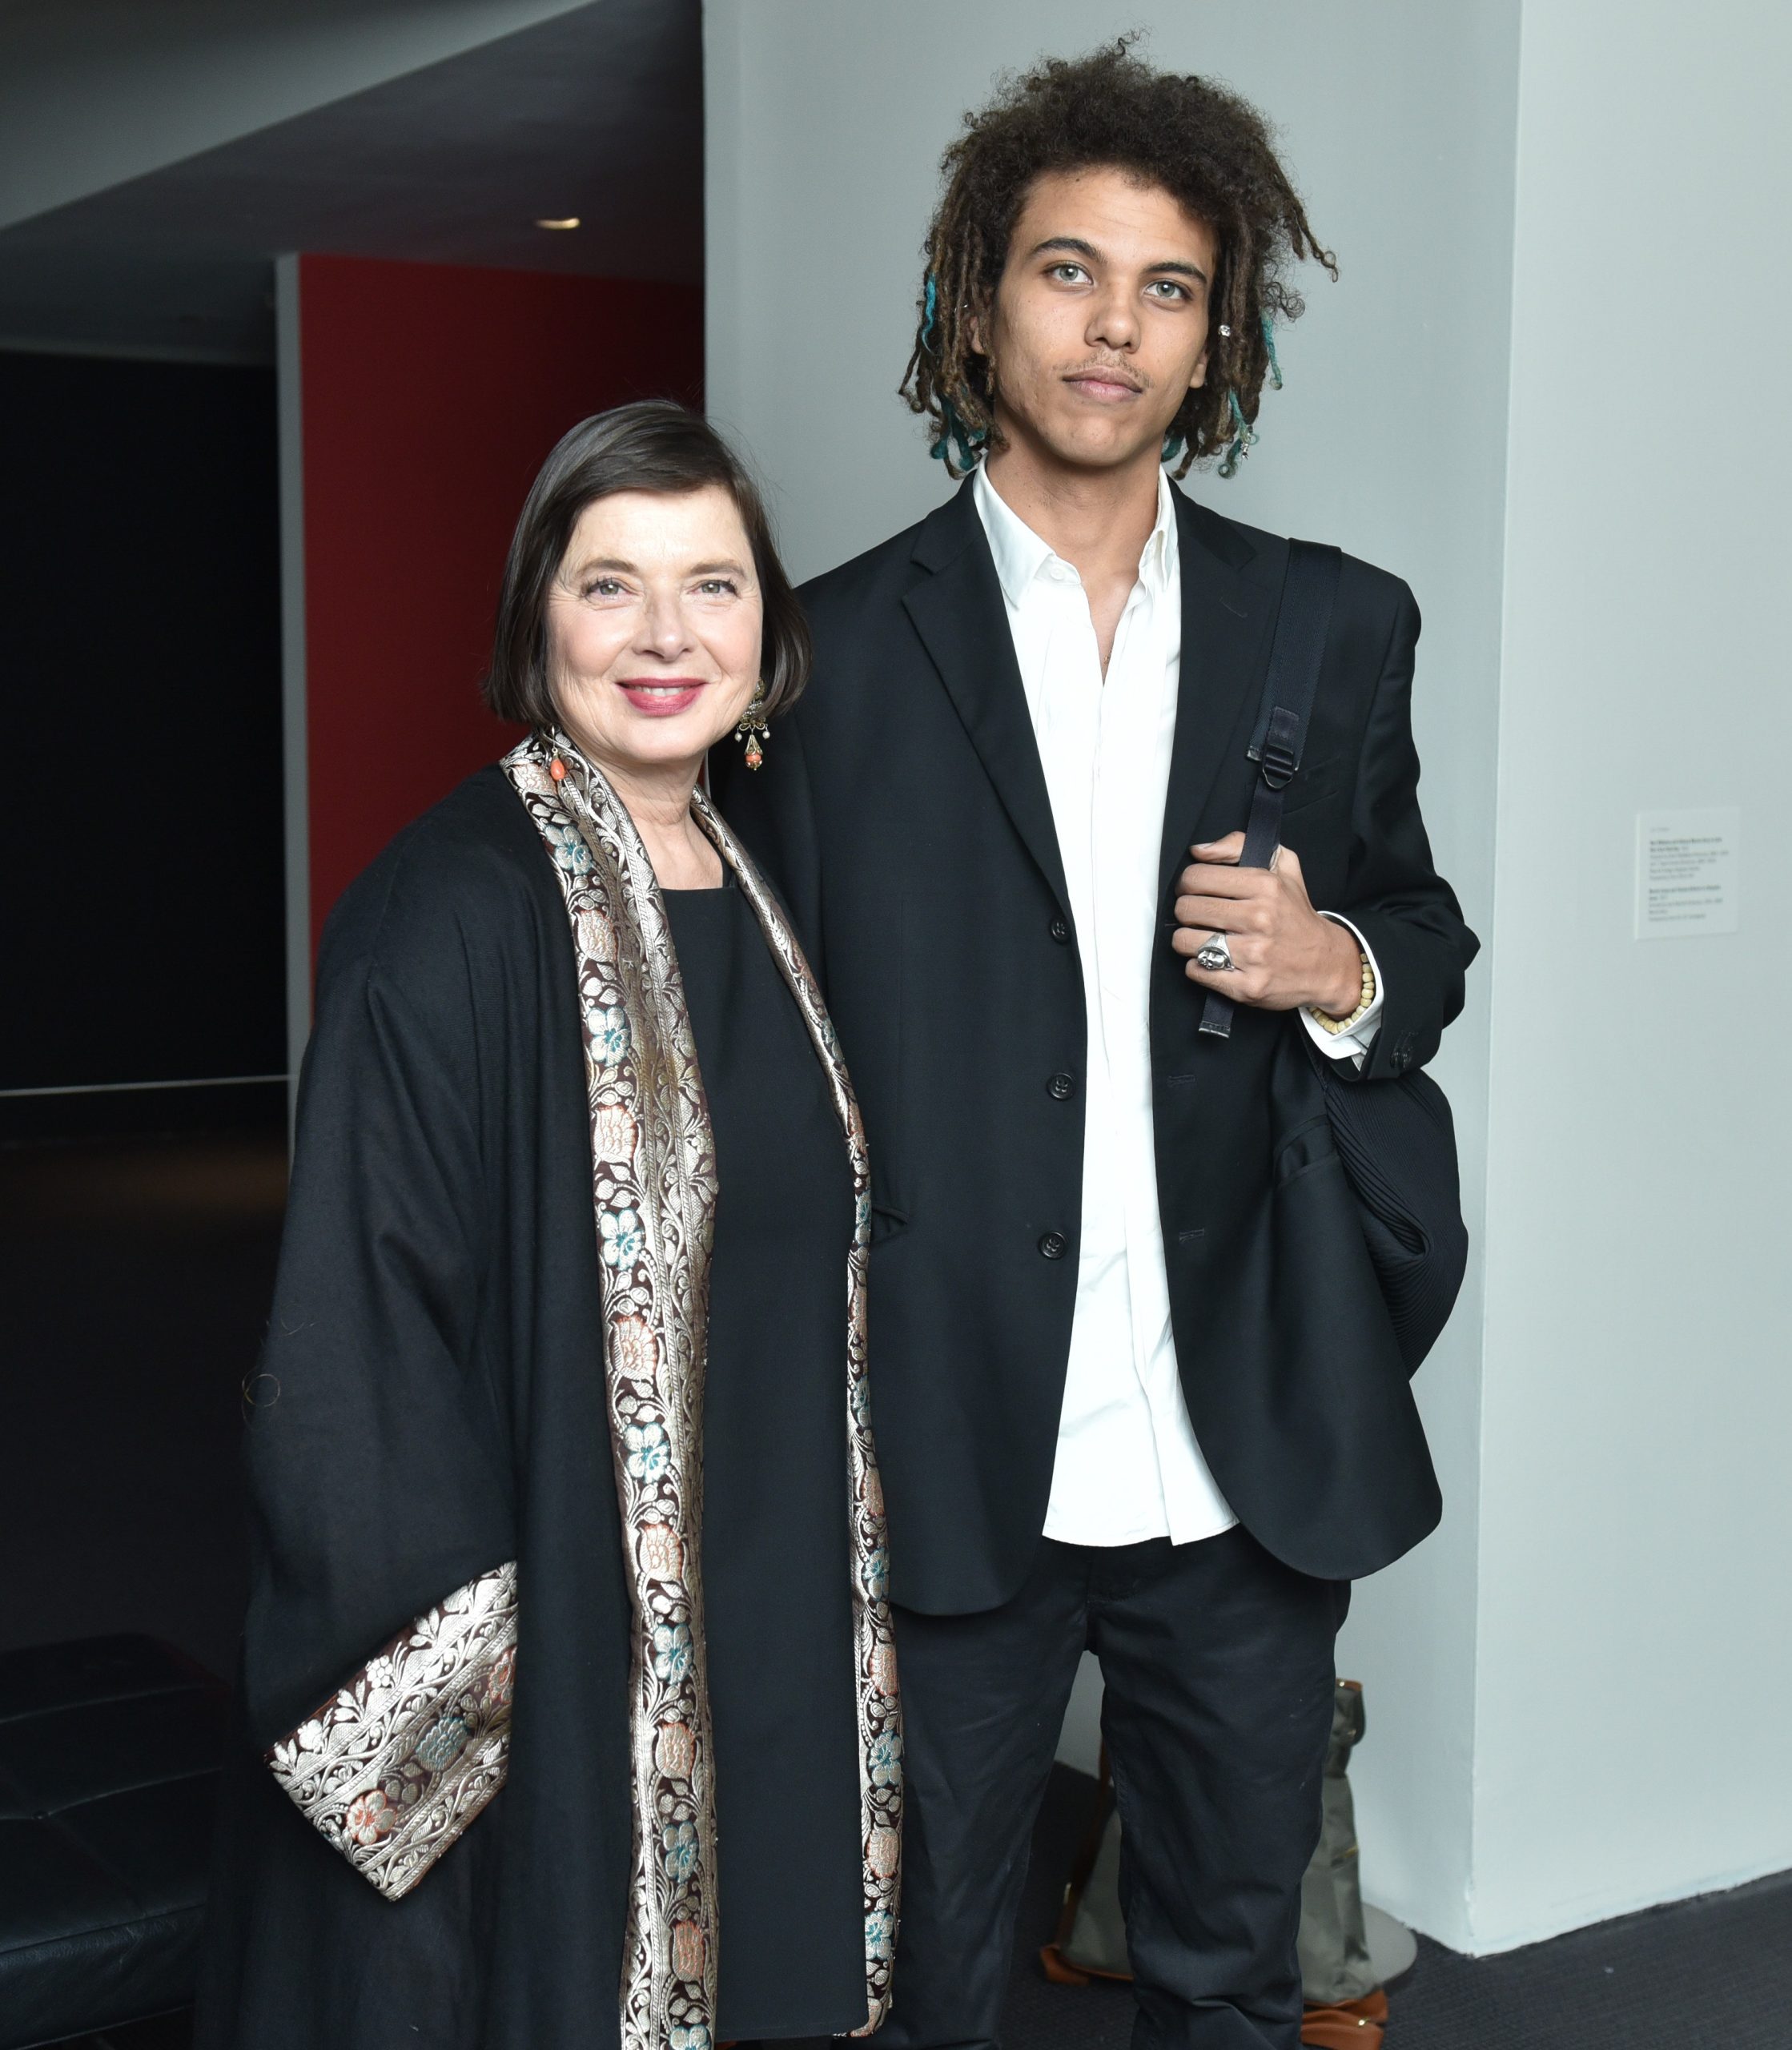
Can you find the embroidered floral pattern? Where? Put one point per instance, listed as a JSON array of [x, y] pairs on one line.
[[654, 1188], [675, 1751], [396, 1765], [607, 1034], [370, 1818], [887, 1759], [672, 1650], [649, 1453], [678, 1849], [689, 1952], [567, 846], [619, 1230], [633, 1352], [443, 1741], [613, 1132]]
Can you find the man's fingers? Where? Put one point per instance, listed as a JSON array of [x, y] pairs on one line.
[[1214, 882], [1227, 850], [1245, 948], [1223, 914]]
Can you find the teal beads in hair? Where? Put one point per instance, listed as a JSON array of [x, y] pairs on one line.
[[1243, 438], [1243, 434], [964, 454], [1269, 343], [957, 448]]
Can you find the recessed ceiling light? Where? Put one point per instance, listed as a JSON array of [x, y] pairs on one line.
[[572, 220]]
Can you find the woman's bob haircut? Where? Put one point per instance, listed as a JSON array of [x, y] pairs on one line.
[[653, 446]]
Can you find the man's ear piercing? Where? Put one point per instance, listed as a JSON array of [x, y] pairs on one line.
[[1225, 331]]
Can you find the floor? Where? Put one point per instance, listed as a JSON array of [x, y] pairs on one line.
[[134, 1277], [1713, 1974], [136, 1274]]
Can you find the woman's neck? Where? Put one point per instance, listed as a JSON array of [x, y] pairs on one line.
[[658, 799]]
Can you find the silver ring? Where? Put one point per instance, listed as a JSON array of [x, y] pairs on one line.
[[1215, 956]]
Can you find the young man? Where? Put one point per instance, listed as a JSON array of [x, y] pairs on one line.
[[1005, 820]]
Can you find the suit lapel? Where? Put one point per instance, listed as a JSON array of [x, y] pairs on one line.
[[1226, 616], [959, 614]]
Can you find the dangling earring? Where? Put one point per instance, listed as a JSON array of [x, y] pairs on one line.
[[753, 729]]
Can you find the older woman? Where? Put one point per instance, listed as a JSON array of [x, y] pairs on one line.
[[565, 1383]]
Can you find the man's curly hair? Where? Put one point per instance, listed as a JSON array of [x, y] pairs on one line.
[[1201, 144]]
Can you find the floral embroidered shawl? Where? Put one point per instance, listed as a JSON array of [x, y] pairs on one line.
[[654, 1192]]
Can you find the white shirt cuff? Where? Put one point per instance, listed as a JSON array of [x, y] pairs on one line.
[[1355, 1043]]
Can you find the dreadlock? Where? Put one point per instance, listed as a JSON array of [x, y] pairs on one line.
[[1203, 144]]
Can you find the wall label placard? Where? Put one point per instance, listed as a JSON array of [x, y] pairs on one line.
[[1687, 865]]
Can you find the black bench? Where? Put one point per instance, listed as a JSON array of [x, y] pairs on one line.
[[109, 1756]]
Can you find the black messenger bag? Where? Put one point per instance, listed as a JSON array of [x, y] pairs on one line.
[[1394, 1136]]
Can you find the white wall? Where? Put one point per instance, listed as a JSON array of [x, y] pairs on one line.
[[1569, 1687], [93, 92], [1636, 1573]]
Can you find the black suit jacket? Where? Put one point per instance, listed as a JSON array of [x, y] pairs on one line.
[[902, 811]]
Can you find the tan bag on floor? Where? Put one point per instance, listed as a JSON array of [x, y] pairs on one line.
[[1344, 2003]]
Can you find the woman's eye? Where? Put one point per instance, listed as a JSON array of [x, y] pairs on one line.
[[603, 587], [719, 587]]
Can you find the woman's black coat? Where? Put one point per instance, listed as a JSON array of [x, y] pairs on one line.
[[428, 1405]]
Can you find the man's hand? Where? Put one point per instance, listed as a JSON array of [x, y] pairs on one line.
[[1287, 954]]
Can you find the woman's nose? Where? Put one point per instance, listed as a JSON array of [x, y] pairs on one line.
[[666, 633]]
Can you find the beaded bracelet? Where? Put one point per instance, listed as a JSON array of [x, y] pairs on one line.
[[1327, 1023]]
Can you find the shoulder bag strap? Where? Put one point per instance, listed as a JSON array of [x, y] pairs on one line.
[[1301, 623]]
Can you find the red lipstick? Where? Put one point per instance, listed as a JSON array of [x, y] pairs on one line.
[[661, 697]]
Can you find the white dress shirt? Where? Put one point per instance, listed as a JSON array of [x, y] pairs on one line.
[[1127, 1467]]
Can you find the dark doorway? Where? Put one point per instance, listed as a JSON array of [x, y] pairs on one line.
[[140, 794]]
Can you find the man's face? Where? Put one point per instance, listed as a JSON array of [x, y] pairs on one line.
[[1100, 321]]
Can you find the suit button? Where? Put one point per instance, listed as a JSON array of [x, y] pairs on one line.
[[1054, 1245], [1061, 1086], [1060, 930]]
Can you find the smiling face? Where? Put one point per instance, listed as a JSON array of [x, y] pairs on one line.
[[653, 628], [1099, 325]]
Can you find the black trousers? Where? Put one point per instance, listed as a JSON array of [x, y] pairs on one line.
[[1217, 1665]]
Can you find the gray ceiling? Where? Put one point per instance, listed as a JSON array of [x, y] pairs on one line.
[[597, 113]]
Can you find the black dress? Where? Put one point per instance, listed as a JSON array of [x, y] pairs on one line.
[[776, 1601], [431, 1402]]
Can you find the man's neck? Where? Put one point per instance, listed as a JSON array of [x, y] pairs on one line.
[[1097, 521]]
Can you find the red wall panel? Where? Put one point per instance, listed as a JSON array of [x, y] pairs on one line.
[[429, 396]]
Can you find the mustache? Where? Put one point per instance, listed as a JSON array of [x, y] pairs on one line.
[[1119, 373]]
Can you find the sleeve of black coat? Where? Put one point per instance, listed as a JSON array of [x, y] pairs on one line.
[[377, 1481], [1393, 894]]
